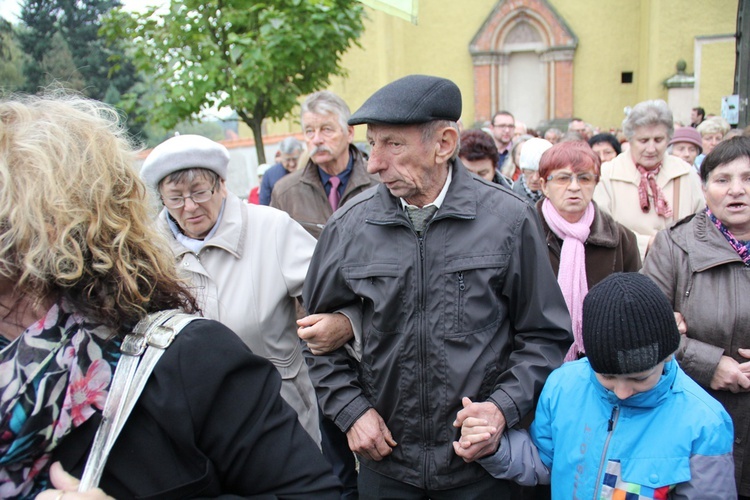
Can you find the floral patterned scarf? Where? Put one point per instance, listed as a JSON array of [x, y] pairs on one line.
[[741, 247], [648, 181], [53, 378]]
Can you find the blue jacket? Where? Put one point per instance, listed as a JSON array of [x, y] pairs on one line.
[[674, 439], [269, 180]]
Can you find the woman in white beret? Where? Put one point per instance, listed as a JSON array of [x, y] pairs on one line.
[[247, 263]]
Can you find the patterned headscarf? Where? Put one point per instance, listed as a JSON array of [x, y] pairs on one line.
[[52, 379]]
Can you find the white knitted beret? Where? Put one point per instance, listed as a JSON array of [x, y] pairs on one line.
[[531, 153], [181, 152]]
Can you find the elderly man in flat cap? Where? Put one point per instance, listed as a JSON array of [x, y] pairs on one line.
[[460, 306], [247, 263]]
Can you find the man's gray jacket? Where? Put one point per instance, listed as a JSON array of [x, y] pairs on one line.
[[471, 308]]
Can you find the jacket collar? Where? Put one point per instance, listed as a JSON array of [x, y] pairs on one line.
[[650, 399], [705, 246], [624, 169], [229, 236], [460, 200]]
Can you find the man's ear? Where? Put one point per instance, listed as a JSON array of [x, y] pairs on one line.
[[446, 144]]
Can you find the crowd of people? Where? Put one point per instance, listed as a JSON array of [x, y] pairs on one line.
[[444, 313]]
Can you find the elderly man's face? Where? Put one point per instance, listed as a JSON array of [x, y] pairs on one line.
[[195, 219], [327, 141], [407, 166], [579, 128], [289, 160]]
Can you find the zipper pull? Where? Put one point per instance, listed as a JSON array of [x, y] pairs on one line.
[[611, 423]]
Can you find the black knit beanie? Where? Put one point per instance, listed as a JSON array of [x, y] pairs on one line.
[[628, 325]]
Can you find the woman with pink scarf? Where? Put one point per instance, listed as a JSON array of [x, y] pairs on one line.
[[645, 189], [585, 244]]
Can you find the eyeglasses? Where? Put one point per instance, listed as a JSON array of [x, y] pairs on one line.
[[504, 126], [564, 179], [198, 197]]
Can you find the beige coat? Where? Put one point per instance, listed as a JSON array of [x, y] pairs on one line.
[[617, 194], [705, 280], [248, 276]]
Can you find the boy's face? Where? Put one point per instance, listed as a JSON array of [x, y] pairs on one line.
[[631, 384]]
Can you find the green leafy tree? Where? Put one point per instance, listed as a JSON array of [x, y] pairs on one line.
[[11, 59], [255, 57], [63, 46]]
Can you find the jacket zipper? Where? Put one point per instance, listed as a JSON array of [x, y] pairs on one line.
[[611, 424], [422, 360], [461, 289]]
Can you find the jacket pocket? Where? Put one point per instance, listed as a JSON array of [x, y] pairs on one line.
[[472, 298], [380, 286]]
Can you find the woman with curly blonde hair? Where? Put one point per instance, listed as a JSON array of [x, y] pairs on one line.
[[80, 264]]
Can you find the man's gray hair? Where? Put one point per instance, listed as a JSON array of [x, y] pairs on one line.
[[325, 102], [648, 113], [429, 130], [291, 145]]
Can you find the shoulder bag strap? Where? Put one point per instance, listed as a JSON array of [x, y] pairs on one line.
[[676, 199], [140, 351]]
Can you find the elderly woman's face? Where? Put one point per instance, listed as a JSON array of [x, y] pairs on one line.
[[710, 141], [570, 193], [648, 145], [727, 192], [196, 219], [605, 151]]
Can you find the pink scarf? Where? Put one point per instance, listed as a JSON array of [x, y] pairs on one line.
[[648, 180], [572, 273]]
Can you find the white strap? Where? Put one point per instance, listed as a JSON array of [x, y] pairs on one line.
[[151, 335]]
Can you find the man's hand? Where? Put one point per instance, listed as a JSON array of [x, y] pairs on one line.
[[370, 437], [731, 375], [325, 333], [66, 487], [481, 424], [681, 324]]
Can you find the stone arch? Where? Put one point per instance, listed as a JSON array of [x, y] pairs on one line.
[[523, 56]]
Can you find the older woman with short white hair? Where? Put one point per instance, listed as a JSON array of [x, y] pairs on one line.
[[645, 189], [712, 132]]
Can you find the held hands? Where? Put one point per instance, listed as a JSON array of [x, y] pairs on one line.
[[370, 437], [731, 375], [66, 487], [324, 333], [481, 425]]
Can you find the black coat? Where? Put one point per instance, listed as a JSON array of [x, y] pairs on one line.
[[210, 423]]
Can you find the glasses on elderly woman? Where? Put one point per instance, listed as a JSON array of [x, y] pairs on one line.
[[197, 197], [564, 179]]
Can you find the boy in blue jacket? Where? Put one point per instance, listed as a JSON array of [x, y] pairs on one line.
[[624, 423]]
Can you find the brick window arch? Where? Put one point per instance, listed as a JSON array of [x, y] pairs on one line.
[[522, 56]]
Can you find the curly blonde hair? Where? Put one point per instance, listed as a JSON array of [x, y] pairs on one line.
[[73, 213]]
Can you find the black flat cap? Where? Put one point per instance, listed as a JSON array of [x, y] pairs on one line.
[[411, 99]]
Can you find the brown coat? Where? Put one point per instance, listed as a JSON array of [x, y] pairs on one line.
[[610, 247], [708, 283], [304, 198]]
